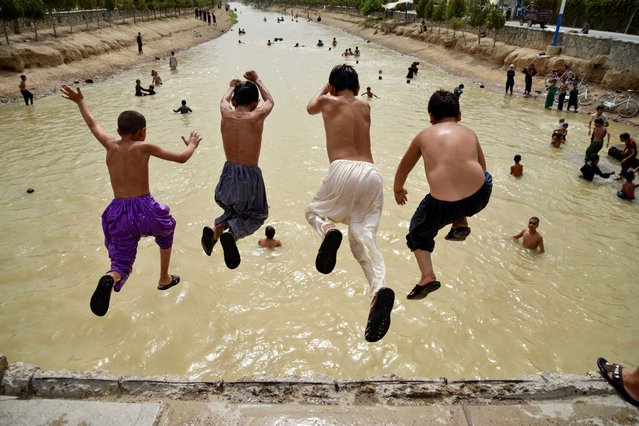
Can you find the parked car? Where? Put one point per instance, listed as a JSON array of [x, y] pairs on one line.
[[533, 15]]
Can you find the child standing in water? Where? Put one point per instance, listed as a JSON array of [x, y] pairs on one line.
[[269, 242], [352, 193], [517, 169], [133, 213], [531, 238], [240, 191], [627, 191], [460, 185], [598, 135]]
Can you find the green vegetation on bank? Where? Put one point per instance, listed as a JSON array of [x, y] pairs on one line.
[[233, 16], [605, 15]]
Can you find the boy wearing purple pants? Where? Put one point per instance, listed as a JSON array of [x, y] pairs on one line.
[[133, 213]]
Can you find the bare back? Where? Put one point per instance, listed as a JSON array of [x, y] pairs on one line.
[[128, 164], [453, 160], [347, 123], [242, 135]]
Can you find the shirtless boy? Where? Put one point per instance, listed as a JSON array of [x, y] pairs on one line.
[[532, 239], [517, 169], [459, 184], [133, 213], [240, 191], [352, 193], [598, 135], [369, 93], [269, 242], [26, 94]]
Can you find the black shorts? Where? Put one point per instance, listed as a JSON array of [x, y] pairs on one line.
[[432, 215]]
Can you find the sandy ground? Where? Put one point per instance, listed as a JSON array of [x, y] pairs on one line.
[[160, 37]]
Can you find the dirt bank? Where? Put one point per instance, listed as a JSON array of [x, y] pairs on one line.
[[484, 63], [95, 54]]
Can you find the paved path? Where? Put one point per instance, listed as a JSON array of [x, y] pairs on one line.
[[592, 33]]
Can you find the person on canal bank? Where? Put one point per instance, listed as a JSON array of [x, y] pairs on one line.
[[26, 94], [529, 72], [550, 96], [460, 185], [510, 79], [561, 97], [352, 193], [623, 380], [532, 239], [598, 135], [573, 98], [459, 90], [240, 191], [139, 41], [133, 213]]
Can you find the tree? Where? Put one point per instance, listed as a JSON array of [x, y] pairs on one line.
[[495, 20], [439, 14], [34, 10], [429, 9], [53, 5], [87, 5], [477, 12], [457, 24], [369, 6], [455, 9], [10, 10]]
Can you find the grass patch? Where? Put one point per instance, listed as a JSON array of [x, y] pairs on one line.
[[233, 16]]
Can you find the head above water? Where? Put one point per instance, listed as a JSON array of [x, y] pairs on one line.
[[344, 77], [629, 175], [270, 232], [517, 158], [533, 221], [245, 93], [130, 123], [625, 136], [443, 104]]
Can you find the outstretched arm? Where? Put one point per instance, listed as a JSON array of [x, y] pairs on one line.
[[405, 166], [541, 245], [76, 96], [269, 103], [518, 236], [315, 104], [178, 157], [225, 103]]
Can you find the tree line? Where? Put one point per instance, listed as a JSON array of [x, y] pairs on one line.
[[40, 12]]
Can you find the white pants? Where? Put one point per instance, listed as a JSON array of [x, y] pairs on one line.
[[352, 193]]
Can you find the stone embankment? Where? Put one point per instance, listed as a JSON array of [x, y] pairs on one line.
[[26, 390]]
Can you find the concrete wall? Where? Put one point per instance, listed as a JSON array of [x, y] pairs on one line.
[[613, 54]]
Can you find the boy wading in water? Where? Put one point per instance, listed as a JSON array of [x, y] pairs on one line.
[[459, 184], [352, 192], [133, 213], [240, 191]]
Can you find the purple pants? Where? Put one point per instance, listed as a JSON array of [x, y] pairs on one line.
[[125, 221]]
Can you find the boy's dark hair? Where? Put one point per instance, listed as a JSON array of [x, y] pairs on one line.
[[534, 218], [594, 158], [344, 77], [461, 86], [600, 106], [23, 76], [270, 232], [245, 93], [183, 102], [368, 88], [129, 122], [443, 104], [599, 120], [629, 175], [624, 136], [517, 158]]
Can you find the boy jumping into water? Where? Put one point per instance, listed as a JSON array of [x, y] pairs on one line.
[[133, 213], [240, 191], [352, 193], [459, 184]]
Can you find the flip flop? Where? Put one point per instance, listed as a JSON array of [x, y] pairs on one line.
[[379, 315], [421, 291], [231, 253], [102, 296], [458, 234], [175, 280], [327, 253], [617, 379], [208, 240]]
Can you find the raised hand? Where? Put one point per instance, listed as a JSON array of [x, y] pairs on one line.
[[72, 95]]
